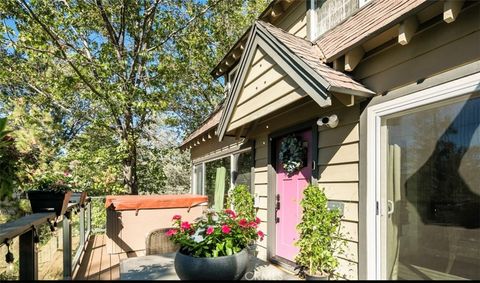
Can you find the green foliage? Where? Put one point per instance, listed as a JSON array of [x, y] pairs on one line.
[[59, 182], [241, 201], [9, 156], [99, 215], [320, 238], [194, 94], [104, 70], [292, 154], [216, 234], [164, 170]]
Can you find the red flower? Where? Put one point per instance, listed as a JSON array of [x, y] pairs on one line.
[[257, 220], [252, 224], [243, 223], [231, 213], [261, 235], [226, 229], [185, 225], [177, 217], [171, 232], [210, 230]]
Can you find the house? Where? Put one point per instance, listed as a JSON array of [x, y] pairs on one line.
[[384, 97]]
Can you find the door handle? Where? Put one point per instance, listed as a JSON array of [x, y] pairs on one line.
[[277, 207], [390, 207]]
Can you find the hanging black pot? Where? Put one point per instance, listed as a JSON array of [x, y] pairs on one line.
[[49, 201]]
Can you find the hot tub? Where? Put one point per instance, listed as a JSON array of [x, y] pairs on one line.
[[131, 217]]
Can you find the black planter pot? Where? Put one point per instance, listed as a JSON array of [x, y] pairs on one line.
[[48, 201], [231, 267], [79, 197]]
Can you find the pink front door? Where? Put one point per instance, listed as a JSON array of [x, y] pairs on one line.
[[289, 194]]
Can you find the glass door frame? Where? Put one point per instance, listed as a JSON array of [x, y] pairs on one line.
[[376, 206]]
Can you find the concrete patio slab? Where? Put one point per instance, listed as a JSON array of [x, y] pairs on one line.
[[161, 267]]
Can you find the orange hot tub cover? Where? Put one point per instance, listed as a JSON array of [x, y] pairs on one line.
[[136, 202]]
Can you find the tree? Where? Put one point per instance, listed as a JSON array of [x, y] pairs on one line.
[[112, 66], [8, 161], [194, 93]]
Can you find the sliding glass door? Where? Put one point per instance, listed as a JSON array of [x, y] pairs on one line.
[[431, 191]]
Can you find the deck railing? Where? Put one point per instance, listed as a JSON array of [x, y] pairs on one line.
[[27, 227]]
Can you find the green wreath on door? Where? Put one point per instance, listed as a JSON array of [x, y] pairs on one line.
[[292, 154]]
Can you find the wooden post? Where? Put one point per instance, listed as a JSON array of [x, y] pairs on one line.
[[67, 247], [28, 257]]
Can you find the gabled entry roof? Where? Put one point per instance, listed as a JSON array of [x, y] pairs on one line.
[[302, 61]]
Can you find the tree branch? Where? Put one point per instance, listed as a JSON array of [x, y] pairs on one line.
[[144, 37], [175, 32], [59, 46], [111, 32]]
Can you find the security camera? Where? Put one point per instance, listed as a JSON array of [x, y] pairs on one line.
[[329, 121]]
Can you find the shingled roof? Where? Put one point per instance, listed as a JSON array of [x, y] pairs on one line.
[[372, 19], [313, 56]]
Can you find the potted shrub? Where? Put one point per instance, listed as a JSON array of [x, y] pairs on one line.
[[319, 237], [240, 200], [50, 193], [214, 247]]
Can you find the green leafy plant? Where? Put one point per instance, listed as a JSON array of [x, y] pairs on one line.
[[241, 201], [292, 154], [57, 182], [216, 234], [8, 161], [320, 236]]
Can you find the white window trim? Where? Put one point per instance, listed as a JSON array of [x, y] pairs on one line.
[[375, 114], [312, 21], [362, 3]]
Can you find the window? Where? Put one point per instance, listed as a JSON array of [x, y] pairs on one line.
[[243, 173], [198, 179], [329, 13], [215, 177], [217, 181]]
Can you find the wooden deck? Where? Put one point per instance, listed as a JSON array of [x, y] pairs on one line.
[[96, 263]]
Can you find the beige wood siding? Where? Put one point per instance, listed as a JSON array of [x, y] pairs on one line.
[[338, 166], [440, 48], [295, 22], [338, 158], [267, 89], [261, 190]]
